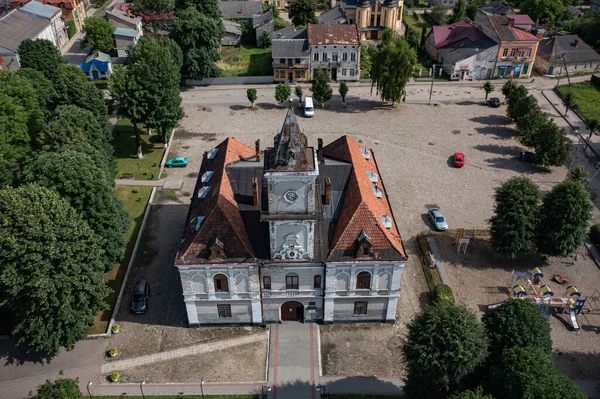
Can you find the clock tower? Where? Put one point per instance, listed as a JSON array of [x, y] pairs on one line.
[[292, 192]]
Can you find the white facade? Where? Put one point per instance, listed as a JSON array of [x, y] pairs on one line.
[[342, 62]]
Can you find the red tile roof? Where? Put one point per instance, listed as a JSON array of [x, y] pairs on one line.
[[448, 34], [69, 4], [521, 19], [332, 34], [361, 208], [506, 32], [219, 208]]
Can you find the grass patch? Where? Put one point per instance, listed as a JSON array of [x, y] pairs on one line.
[[102, 6], [134, 204], [186, 397], [431, 274], [587, 98], [169, 193], [416, 21], [126, 155], [245, 61]]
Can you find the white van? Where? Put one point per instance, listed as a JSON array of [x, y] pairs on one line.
[[309, 108]]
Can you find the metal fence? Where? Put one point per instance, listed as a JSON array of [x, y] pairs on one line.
[[239, 80]]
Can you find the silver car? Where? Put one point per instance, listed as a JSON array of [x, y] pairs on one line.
[[438, 220]]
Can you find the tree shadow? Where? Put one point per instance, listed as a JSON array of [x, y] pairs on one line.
[[499, 149], [11, 354], [355, 105], [268, 106], [501, 132], [491, 120], [327, 386], [237, 107], [515, 164]]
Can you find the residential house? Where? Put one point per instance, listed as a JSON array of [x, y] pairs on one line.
[[290, 233], [335, 15], [120, 16], [97, 66], [517, 48], [291, 55], [497, 8], [280, 4], [233, 34], [72, 10], [125, 39], [373, 16], [52, 14], [16, 26], [335, 49], [462, 50], [240, 11], [447, 3], [559, 54], [594, 6], [261, 24]]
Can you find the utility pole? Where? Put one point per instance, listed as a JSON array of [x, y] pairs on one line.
[[561, 58], [432, 77]]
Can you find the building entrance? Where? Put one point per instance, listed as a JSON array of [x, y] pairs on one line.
[[292, 311]]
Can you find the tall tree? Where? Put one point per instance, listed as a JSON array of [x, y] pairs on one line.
[[210, 8], [89, 190], [439, 15], [50, 271], [412, 37], [488, 87], [14, 140], [392, 66], [587, 27], [302, 12], [98, 34], [46, 95], [564, 219], [579, 174], [298, 93], [199, 37], [153, 10], [517, 323], [22, 92], [73, 87], [529, 123], [592, 125], [63, 388], [445, 343], [552, 146], [543, 10], [343, 91], [569, 100], [321, 89], [282, 92], [41, 55], [473, 6], [459, 11], [508, 89], [251, 94], [515, 217]]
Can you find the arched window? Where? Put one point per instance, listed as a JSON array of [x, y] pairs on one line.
[[291, 281], [342, 282], [221, 284], [363, 281]]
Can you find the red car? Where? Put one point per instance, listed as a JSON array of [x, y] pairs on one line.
[[459, 159]]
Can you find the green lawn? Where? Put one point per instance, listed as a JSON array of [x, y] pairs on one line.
[[134, 204], [188, 397], [102, 6], [126, 155], [245, 61], [416, 21], [587, 98]]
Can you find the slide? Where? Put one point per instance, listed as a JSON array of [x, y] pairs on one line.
[[574, 322], [495, 305]]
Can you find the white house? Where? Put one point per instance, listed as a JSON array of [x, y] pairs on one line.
[[52, 14], [336, 49]]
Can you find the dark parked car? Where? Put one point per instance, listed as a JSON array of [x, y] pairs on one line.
[[494, 102], [528, 156], [139, 301]]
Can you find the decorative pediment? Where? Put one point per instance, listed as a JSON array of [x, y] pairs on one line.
[[292, 248]]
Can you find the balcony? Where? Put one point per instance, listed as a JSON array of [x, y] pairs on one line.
[[291, 293]]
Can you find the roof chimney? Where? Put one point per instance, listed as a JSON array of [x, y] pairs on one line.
[[511, 22], [576, 44], [255, 191], [128, 13], [327, 191], [320, 150], [257, 149]]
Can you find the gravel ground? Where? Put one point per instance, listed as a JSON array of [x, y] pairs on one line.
[[480, 277]]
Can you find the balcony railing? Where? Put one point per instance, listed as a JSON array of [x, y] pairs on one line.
[[291, 292]]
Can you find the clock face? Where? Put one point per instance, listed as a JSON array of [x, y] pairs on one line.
[[290, 196]]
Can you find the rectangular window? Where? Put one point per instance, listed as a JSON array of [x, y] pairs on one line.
[[297, 60], [512, 53], [291, 282], [298, 74], [525, 69], [324, 56], [505, 53], [317, 283], [522, 53], [360, 308], [352, 56], [316, 57], [282, 60], [334, 57], [575, 66], [529, 53], [267, 282], [352, 72], [344, 72], [224, 311], [344, 57]]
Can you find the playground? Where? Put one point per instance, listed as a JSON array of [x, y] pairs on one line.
[[482, 280]]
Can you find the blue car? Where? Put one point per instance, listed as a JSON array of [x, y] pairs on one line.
[[177, 162]]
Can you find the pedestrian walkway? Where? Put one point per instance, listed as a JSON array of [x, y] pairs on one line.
[[133, 182], [439, 264], [182, 352]]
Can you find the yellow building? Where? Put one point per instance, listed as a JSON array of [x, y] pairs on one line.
[[372, 17]]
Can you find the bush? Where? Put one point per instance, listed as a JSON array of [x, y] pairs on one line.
[[71, 29], [595, 233], [442, 293], [113, 351], [114, 376], [115, 328]]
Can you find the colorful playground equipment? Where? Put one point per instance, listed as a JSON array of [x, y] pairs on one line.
[[530, 286]]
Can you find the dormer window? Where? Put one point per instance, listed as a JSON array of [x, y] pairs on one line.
[[387, 221], [203, 192], [206, 176], [212, 153], [364, 245], [377, 191], [372, 176], [365, 153], [196, 222]]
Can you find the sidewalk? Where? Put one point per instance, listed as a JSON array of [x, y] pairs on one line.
[[133, 182], [439, 264]]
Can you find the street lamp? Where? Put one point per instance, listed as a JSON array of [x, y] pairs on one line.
[[264, 394], [88, 389], [202, 388], [432, 77], [142, 388], [324, 392]]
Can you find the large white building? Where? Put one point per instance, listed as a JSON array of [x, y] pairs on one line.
[[290, 233]]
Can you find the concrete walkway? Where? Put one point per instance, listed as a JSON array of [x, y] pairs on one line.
[[133, 182], [182, 352], [440, 264]]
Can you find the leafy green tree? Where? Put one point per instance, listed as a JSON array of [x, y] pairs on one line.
[[579, 174], [367, 54], [89, 190], [515, 217], [412, 36], [471, 394], [552, 146], [152, 10], [516, 97], [473, 6], [63, 388], [282, 92], [528, 373], [488, 87], [98, 34], [22, 93], [343, 91], [321, 89], [199, 37], [508, 89], [46, 95], [569, 100], [73, 87], [593, 125], [302, 12], [41, 55], [587, 27], [392, 66], [298, 93], [543, 10], [445, 343], [564, 219], [439, 15], [423, 36], [251, 94], [265, 40], [529, 123], [210, 8], [517, 323], [50, 271], [459, 11]]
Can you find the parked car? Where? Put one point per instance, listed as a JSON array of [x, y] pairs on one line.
[[309, 108], [528, 156], [494, 102], [139, 299], [459, 159], [177, 162], [438, 220]]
